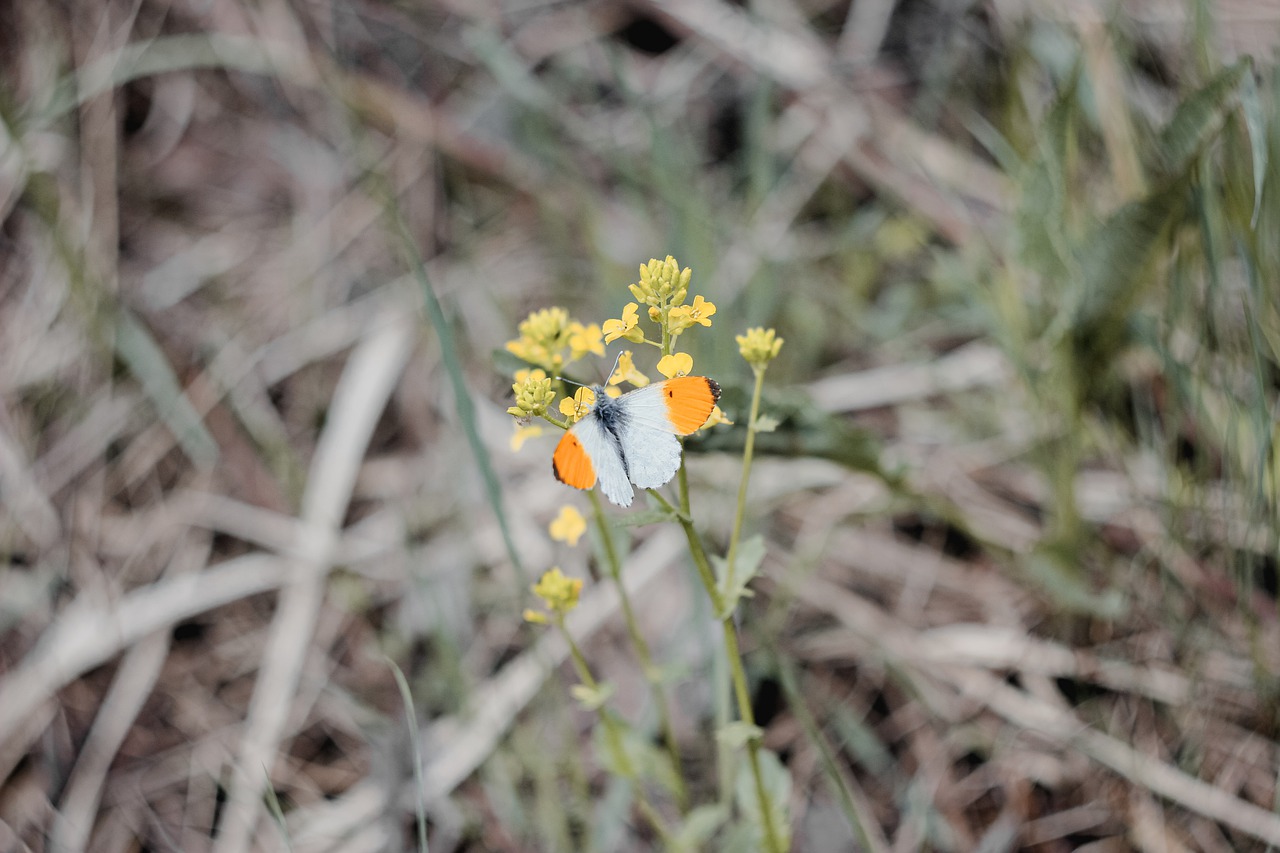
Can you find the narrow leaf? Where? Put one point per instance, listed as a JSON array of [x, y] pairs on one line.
[[1200, 118]]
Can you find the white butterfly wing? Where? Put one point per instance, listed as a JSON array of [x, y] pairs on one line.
[[653, 455], [611, 474], [647, 438]]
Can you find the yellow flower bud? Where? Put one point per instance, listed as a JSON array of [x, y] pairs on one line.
[[533, 394], [759, 346]]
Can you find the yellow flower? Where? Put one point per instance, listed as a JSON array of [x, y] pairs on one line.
[[676, 364], [533, 394], [584, 340], [568, 526], [576, 408], [523, 434], [543, 336], [558, 593], [550, 339], [684, 316], [715, 419], [626, 327], [626, 372], [662, 283], [701, 311], [759, 346]]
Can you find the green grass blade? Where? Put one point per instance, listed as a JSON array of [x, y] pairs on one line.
[[158, 56], [1200, 118], [411, 720], [145, 360], [462, 396]]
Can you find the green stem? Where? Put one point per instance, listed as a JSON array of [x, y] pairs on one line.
[[613, 735], [737, 671], [748, 452], [552, 419], [734, 654], [651, 673]]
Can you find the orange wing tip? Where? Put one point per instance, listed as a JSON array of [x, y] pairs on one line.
[[571, 464], [690, 400]]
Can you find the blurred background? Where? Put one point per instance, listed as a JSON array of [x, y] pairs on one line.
[[258, 262]]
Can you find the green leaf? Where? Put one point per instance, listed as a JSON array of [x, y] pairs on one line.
[[1116, 262], [667, 673], [1251, 107], [766, 423], [1056, 571], [592, 698], [656, 515], [627, 753], [777, 786], [747, 561], [698, 828], [1042, 221], [1200, 118], [802, 430], [738, 734]]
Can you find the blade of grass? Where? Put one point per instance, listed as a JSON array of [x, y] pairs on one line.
[[452, 357], [158, 56], [147, 362], [415, 742]]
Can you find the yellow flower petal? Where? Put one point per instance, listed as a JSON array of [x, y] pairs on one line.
[[626, 371], [676, 364], [626, 327], [679, 319], [715, 419], [568, 526], [584, 340], [701, 311], [576, 408], [523, 434]]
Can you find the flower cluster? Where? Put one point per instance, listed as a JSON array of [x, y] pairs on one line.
[[663, 286], [759, 347], [533, 394], [559, 594], [550, 339]]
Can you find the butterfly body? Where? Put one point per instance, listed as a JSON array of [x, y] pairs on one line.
[[632, 440]]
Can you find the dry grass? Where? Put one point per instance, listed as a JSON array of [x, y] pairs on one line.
[[236, 478]]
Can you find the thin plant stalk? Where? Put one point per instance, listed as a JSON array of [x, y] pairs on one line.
[[645, 656], [748, 453], [611, 731], [733, 654]]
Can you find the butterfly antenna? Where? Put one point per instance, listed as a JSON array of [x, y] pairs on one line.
[[617, 358]]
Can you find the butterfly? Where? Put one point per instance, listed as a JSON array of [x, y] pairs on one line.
[[631, 440]]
